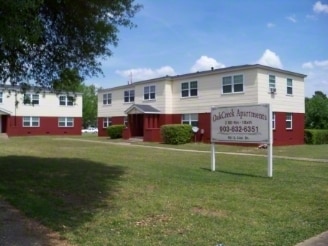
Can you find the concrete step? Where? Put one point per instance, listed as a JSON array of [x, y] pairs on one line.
[[3, 136]]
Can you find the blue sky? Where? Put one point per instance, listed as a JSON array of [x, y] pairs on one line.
[[177, 37]]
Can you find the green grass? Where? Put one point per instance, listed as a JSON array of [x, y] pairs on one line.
[[106, 194]]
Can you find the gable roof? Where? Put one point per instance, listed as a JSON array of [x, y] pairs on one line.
[[5, 112], [141, 109]]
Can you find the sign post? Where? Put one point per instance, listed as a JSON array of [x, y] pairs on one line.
[[242, 124]]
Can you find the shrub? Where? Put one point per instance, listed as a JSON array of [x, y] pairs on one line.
[[115, 131], [176, 133], [314, 136]]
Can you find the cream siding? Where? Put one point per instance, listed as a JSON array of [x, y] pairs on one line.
[[162, 100], [280, 101], [209, 84], [48, 106], [210, 93]]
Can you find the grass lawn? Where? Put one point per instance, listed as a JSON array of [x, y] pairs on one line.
[[106, 194]]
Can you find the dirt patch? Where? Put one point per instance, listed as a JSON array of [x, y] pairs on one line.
[[17, 229]]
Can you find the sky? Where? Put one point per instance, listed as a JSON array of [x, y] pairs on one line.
[[175, 37]]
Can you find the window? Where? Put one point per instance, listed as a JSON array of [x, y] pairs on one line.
[[272, 81], [107, 99], [149, 92], [233, 84], [273, 120], [107, 122], [31, 121], [32, 99], [66, 100], [65, 121], [289, 87], [1, 95], [289, 121], [189, 89], [190, 119], [125, 121], [129, 96]]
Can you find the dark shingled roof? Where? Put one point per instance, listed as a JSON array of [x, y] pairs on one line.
[[143, 108]]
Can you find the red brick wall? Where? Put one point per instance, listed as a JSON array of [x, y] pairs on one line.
[[48, 126], [118, 120], [283, 136]]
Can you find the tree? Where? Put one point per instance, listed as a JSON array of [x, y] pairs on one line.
[[90, 101], [316, 111], [40, 40]]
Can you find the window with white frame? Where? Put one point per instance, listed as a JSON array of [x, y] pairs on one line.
[[1, 96], [189, 89], [190, 119], [129, 96], [31, 121], [272, 81], [289, 121], [232, 84], [150, 92], [289, 87], [65, 100], [32, 99], [273, 120], [65, 121], [107, 99], [107, 121]]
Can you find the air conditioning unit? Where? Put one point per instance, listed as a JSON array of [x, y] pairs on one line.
[[272, 90]]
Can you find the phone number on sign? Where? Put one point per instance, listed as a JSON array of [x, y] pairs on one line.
[[243, 129]]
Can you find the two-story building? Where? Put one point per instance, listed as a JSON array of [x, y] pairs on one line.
[[39, 113], [145, 106]]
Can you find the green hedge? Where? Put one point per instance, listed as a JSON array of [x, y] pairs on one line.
[[115, 131], [314, 136], [176, 133]]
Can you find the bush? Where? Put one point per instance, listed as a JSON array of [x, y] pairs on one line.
[[314, 136], [115, 131], [176, 134]]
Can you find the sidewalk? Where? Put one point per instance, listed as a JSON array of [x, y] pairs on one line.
[[18, 230], [319, 240]]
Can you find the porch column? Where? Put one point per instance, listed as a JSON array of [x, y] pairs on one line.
[[155, 120], [146, 123]]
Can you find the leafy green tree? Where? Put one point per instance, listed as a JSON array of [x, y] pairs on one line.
[[316, 111], [89, 108], [42, 41]]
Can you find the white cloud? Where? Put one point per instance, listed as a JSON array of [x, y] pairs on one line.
[[318, 7], [292, 19], [206, 63], [311, 17], [317, 79], [269, 58], [138, 74], [319, 64], [307, 65], [270, 25]]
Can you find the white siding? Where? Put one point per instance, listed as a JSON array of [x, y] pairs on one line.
[[48, 106]]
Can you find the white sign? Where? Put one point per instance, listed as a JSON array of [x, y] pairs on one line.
[[248, 123], [242, 124]]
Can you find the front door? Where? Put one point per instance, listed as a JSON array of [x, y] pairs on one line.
[[136, 124]]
